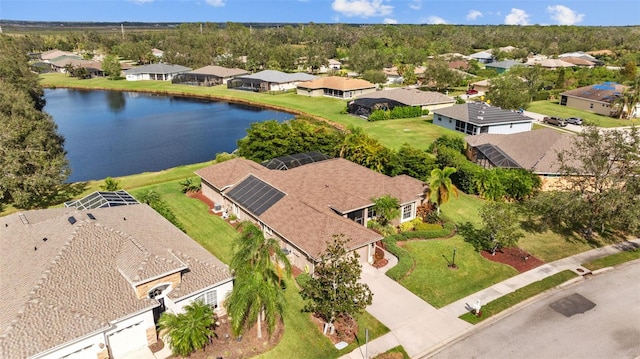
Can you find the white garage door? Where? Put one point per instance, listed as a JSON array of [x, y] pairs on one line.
[[127, 339]]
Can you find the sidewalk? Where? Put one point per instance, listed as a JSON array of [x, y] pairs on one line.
[[420, 328]]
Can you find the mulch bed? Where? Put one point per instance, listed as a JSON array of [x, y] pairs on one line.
[[228, 347], [514, 257]]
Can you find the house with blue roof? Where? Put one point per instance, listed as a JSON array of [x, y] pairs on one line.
[[598, 98], [503, 66]]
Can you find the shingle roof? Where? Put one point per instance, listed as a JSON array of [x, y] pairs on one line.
[[77, 63], [578, 61], [481, 55], [219, 71], [553, 63], [306, 214], [52, 54], [481, 114], [337, 83], [411, 97], [158, 69], [279, 77], [61, 281], [505, 64], [532, 150], [605, 92]]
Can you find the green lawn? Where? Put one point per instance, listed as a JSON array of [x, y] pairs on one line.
[[462, 209], [552, 108], [550, 246], [613, 260], [520, 295], [432, 279]]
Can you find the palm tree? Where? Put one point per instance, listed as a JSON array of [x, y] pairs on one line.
[[191, 330], [259, 265], [386, 209], [440, 186]]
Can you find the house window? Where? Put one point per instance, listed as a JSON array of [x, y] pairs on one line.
[[267, 230], [590, 105], [407, 211], [210, 298]]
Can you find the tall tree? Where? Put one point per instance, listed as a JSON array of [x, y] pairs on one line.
[[191, 330], [500, 221], [259, 266], [33, 165], [334, 290], [509, 92], [111, 67], [441, 187], [601, 169]]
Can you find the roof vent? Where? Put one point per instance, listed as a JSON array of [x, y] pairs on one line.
[[44, 239], [72, 219], [91, 216], [480, 118]]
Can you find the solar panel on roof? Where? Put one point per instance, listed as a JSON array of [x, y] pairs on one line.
[[255, 195]]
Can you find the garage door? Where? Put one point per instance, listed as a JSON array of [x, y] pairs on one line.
[[127, 339]]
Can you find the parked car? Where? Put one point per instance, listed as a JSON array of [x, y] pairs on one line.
[[472, 92], [574, 120], [555, 121]]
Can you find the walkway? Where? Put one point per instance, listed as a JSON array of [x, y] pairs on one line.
[[422, 329]]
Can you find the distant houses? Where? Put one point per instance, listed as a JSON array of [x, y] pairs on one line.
[[208, 76], [389, 99]]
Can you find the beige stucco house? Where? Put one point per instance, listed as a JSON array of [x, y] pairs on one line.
[[93, 283], [305, 206], [336, 86], [597, 98]]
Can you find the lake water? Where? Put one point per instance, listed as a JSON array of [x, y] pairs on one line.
[[111, 133]]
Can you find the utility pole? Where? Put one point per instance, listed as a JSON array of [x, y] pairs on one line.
[[200, 28], [122, 30]]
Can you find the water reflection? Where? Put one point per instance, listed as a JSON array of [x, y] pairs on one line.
[[116, 101]]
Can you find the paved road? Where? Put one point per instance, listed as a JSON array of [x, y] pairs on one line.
[[595, 318]]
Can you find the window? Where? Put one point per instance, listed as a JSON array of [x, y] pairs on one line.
[[210, 298], [407, 212]]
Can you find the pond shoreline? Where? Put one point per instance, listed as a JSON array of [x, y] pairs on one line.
[[212, 97]]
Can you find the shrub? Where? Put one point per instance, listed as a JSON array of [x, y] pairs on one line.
[[303, 279], [428, 227], [378, 115], [407, 226], [190, 185], [110, 185]]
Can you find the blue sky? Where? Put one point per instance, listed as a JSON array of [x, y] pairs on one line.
[[462, 12]]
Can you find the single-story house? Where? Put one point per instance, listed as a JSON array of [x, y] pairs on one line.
[[334, 64], [157, 52], [459, 65], [94, 67], [406, 96], [393, 77], [159, 72], [208, 76], [579, 61], [306, 206], [553, 63], [93, 283], [335, 86], [503, 66], [481, 86], [269, 80], [597, 98], [483, 57], [478, 117], [536, 151]]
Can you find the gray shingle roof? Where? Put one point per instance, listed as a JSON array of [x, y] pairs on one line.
[[279, 77], [536, 150], [482, 114], [78, 280], [219, 71], [411, 97], [158, 69]]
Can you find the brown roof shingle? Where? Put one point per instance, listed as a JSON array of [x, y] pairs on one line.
[[306, 216], [411, 96], [337, 83]]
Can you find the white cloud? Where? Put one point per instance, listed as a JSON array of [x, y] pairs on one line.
[[416, 4], [361, 8], [473, 14], [517, 17], [434, 20], [564, 16], [390, 21], [215, 3], [141, 1]]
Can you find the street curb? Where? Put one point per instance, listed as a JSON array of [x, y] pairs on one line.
[[490, 321]]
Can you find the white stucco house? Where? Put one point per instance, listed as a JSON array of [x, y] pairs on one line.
[[93, 283], [158, 72], [303, 204], [478, 117]]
